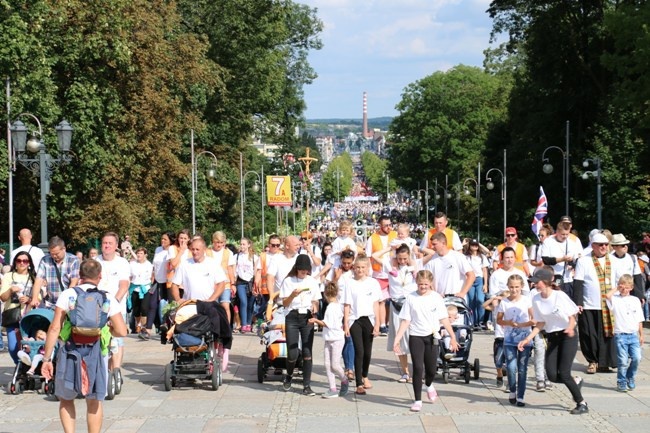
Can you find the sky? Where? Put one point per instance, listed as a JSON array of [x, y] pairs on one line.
[[382, 46]]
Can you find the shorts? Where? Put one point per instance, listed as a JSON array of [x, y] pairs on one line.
[[383, 284], [226, 296], [116, 343]]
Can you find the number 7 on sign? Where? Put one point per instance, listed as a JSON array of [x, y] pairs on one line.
[[277, 191]]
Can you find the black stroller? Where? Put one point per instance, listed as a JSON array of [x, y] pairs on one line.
[[464, 336]]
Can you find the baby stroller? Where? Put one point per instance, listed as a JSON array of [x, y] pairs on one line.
[[275, 356], [197, 350], [33, 321], [464, 336]]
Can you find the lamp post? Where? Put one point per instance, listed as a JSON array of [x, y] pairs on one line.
[[477, 184], [416, 194], [43, 165], [446, 193], [598, 175], [195, 163], [490, 185], [259, 185], [548, 168], [387, 178], [338, 174]]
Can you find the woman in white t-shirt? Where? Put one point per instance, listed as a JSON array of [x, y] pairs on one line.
[[141, 270], [299, 293], [155, 300], [476, 294], [555, 313], [423, 312]]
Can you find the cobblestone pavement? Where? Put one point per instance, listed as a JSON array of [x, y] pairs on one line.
[[243, 405]]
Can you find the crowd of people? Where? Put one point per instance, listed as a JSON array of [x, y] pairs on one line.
[[547, 299]]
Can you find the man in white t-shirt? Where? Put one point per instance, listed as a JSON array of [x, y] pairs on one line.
[[201, 277], [25, 238], [452, 272], [116, 278], [628, 263], [499, 278], [91, 274], [561, 253]]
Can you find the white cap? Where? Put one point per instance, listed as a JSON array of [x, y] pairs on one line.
[[593, 233], [599, 238]]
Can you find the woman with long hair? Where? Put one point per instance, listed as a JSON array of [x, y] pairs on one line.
[[476, 294], [248, 271], [178, 251], [157, 297], [16, 293]]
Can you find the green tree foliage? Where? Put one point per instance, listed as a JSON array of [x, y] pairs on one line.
[[336, 182], [377, 174]]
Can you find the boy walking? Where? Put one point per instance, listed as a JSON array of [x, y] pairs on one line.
[[628, 331]]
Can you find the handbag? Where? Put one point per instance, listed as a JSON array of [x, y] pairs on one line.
[[11, 316]]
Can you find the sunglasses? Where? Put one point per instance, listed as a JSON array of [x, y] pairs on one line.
[[596, 244], [274, 245], [304, 239], [511, 235], [22, 261]]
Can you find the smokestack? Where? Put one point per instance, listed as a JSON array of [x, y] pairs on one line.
[[365, 114]]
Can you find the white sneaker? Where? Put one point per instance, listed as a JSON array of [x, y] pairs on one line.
[[24, 358]]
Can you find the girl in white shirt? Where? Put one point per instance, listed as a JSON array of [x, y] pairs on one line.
[[334, 339], [422, 313], [299, 293]]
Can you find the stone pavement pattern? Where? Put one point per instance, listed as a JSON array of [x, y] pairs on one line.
[[243, 405]]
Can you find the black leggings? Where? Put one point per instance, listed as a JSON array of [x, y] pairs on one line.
[[361, 333], [150, 303], [297, 327], [423, 352], [560, 352]]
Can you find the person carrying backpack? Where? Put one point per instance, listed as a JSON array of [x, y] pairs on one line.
[[83, 319]]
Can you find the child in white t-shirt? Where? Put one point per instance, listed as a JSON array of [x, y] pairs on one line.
[[341, 243], [461, 335], [404, 237], [628, 331], [334, 339]]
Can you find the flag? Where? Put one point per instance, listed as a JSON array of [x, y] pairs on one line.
[[540, 212]]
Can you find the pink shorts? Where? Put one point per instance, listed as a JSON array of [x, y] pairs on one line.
[[383, 283]]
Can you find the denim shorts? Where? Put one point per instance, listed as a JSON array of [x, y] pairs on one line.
[[226, 296]]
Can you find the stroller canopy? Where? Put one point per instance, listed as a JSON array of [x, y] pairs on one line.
[[39, 318]]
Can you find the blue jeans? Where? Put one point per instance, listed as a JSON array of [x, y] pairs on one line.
[[499, 354], [13, 344], [475, 299], [517, 368], [629, 352], [245, 304], [348, 354]]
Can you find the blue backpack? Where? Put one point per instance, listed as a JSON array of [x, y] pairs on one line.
[[89, 313]]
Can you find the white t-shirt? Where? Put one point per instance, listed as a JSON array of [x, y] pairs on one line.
[[35, 253], [245, 268], [628, 313], [478, 263], [361, 296], [518, 312], [198, 279], [552, 248], [141, 272], [449, 272], [554, 311], [340, 244], [160, 260], [586, 272], [279, 267], [499, 281], [333, 330], [627, 264], [302, 302], [69, 296], [114, 272], [401, 281], [424, 313]]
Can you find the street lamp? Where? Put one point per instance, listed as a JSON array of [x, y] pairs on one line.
[[477, 184], [548, 168], [195, 163], [338, 174], [386, 176], [490, 185], [43, 166], [416, 195], [598, 175], [259, 185], [446, 195]]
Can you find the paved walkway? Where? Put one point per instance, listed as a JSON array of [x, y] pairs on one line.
[[243, 405]]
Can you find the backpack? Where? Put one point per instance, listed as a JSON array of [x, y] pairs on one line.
[[89, 313]]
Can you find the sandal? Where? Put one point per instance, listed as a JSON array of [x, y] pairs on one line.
[[350, 374], [360, 390], [366, 383], [592, 368]]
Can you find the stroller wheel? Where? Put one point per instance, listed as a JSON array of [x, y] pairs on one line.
[[261, 371], [118, 380], [445, 376], [215, 379], [110, 392], [467, 372], [477, 368], [12, 388], [169, 371]]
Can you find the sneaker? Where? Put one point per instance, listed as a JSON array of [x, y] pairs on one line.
[[308, 392], [417, 406], [143, 335], [404, 379], [345, 386], [383, 331], [512, 398], [499, 382], [580, 409], [29, 373], [449, 356], [631, 385], [24, 358], [431, 393], [541, 386], [548, 384], [621, 388], [330, 394], [286, 383], [520, 403]]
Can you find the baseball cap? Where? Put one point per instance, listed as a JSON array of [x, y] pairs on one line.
[[566, 219], [511, 230], [473, 242], [541, 275]]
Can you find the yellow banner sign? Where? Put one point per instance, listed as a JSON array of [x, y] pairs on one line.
[[278, 190]]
